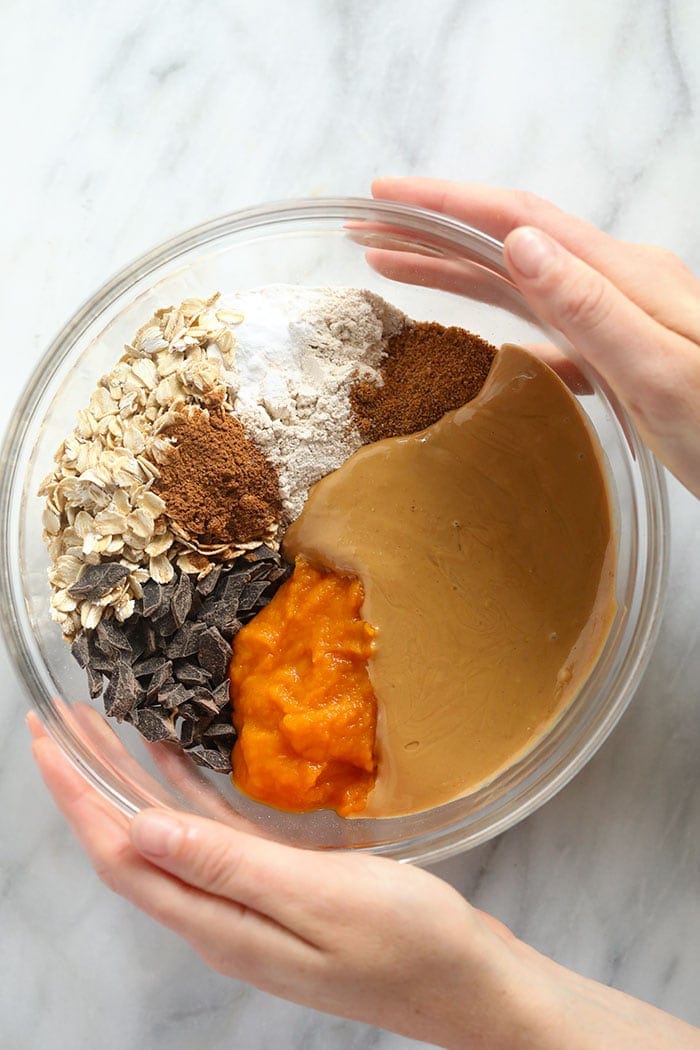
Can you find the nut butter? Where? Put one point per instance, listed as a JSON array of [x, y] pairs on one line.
[[485, 548]]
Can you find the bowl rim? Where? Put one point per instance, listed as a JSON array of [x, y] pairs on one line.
[[452, 839]]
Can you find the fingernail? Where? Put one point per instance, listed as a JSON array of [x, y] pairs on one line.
[[530, 251], [155, 833]]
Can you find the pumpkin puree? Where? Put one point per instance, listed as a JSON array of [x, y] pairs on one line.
[[302, 700]]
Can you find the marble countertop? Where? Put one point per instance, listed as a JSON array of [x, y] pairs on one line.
[[124, 123]]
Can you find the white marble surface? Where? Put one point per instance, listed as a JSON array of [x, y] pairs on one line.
[[125, 122]]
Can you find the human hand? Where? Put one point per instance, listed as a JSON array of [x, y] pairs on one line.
[[358, 936], [631, 311]]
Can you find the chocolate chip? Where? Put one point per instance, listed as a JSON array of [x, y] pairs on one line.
[[150, 639], [154, 725], [95, 683], [151, 597], [215, 653], [173, 695], [188, 711], [121, 693], [210, 758], [167, 665], [221, 731], [95, 581], [185, 642], [149, 666], [181, 601], [191, 674], [221, 694], [112, 638], [185, 732], [251, 595], [204, 701], [207, 585], [80, 649], [161, 676]]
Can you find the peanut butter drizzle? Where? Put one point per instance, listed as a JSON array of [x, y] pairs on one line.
[[484, 544]]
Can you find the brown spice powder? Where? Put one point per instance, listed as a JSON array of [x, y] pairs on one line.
[[428, 371], [216, 483]]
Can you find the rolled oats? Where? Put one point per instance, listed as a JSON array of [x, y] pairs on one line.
[[99, 503]]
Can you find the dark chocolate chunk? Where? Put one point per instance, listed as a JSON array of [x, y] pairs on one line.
[[230, 630], [161, 677], [122, 692], [204, 701], [80, 649], [185, 641], [260, 553], [207, 585], [185, 732], [251, 594], [166, 594], [172, 695], [215, 653], [166, 625], [210, 758], [167, 665], [138, 646], [151, 597], [220, 730], [112, 637], [155, 725], [181, 601], [94, 678], [221, 694], [97, 580], [191, 674], [149, 666]]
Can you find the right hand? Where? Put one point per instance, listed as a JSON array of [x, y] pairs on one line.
[[632, 311]]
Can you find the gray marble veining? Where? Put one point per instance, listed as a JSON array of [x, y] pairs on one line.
[[124, 123]]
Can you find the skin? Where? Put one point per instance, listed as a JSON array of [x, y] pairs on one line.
[[364, 937]]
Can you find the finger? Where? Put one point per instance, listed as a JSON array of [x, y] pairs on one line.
[[653, 278], [79, 803], [35, 726], [273, 879], [459, 278], [656, 374], [205, 921], [104, 741], [496, 211], [187, 778], [411, 268]]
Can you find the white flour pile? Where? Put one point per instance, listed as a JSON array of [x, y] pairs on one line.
[[298, 351]]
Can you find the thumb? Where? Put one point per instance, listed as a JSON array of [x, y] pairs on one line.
[[267, 876]]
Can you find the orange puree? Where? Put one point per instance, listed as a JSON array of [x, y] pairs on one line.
[[302, 700]]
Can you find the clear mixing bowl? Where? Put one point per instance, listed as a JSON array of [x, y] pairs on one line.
[[445, 271]]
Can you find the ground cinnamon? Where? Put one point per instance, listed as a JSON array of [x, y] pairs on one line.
[[428, 370], [216, 483]]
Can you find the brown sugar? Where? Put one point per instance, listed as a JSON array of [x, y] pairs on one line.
[[428, 371], [216, 483]]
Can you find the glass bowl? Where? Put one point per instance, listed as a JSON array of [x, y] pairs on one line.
[[444, 271]]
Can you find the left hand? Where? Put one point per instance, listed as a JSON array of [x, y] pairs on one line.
[[355, 935]]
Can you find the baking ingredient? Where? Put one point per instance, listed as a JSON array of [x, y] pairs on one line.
[[99, 500], [303, 704], [428, 370], [167, 666], [485, 548], [217, 485], [298, 351]]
